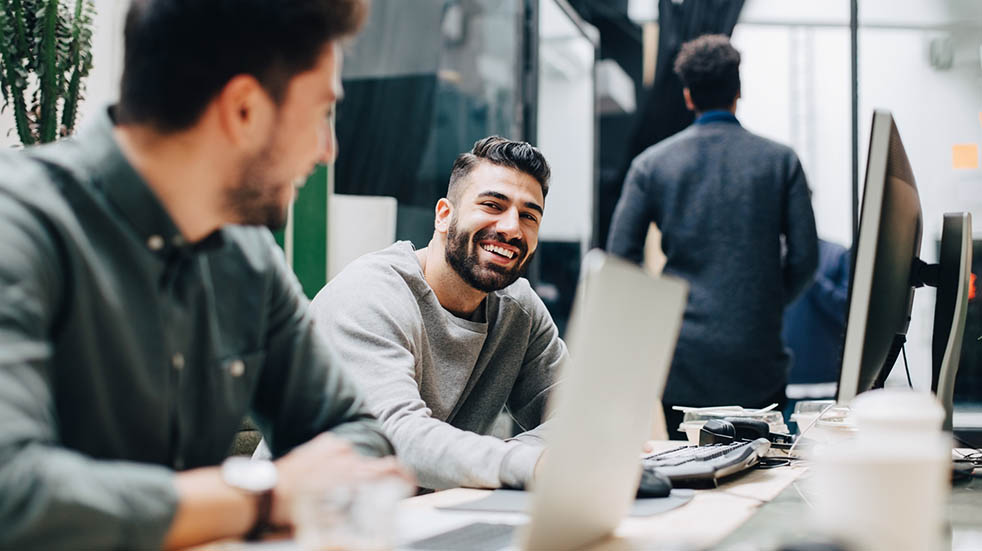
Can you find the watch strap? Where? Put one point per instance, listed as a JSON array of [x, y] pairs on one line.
[[264, 508]]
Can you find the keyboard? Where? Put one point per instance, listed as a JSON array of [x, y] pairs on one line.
[[479, 536], [705, 466]]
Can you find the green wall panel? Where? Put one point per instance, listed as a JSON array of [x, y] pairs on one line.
[[310, 233]]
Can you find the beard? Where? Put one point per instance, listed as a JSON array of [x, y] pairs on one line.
[[462, 255], [255, 199]]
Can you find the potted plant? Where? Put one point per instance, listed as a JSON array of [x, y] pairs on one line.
[[45, 55]]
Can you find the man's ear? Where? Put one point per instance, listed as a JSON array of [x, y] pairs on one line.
[[689, 104], [246, 112], [444, 212]]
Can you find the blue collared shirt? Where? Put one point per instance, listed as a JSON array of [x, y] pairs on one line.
[[716, 115]]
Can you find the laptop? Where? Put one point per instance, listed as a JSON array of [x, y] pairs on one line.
[[622, 338]]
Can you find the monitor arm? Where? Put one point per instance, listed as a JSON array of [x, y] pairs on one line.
[[922, 273]]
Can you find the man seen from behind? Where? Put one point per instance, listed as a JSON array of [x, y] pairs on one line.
[[737, 224]]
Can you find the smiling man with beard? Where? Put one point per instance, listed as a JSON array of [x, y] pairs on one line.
[[443, 338]]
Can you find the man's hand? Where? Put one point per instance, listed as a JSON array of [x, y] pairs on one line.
[[322, 463], [209, 509]]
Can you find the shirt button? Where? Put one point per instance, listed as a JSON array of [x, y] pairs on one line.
[[236, 368], [155, 242], [177, 361]]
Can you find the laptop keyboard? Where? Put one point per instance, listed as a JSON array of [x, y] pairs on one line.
[[479, 536], [704, 466]]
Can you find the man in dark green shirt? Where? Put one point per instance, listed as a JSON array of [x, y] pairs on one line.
[[144, 311]]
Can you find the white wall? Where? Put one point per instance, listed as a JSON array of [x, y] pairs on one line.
[[566, 125], [102, 85], [107, 50], [796, 88]]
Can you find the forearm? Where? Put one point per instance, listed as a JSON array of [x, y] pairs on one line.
[[534, 437], [801, 238], [208, 509], [52, 497], [629, 224], [800, 269], [366, 436], [443, 456]]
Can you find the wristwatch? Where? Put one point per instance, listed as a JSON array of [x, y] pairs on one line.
[[255, 477]]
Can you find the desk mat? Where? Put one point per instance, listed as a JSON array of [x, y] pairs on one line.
[[517, 501]]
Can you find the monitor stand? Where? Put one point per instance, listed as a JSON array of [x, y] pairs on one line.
[[951, 307]]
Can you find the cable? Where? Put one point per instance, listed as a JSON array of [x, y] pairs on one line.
[[903, 349], [774, 462], [801, 435], [734, 494], [801, 494], [975, 456]]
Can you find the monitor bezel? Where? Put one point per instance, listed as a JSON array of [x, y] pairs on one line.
[[864, 259]]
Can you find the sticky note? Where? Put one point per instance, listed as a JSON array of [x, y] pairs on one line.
[[965, 155]]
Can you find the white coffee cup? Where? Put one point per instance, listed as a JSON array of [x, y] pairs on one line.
[[887, 488]]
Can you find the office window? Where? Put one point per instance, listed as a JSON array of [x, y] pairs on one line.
[[424, 81]]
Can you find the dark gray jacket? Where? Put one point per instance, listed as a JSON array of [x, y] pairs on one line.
[[737, 223], [127, 354]]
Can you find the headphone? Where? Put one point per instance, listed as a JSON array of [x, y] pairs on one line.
[[731, 429]]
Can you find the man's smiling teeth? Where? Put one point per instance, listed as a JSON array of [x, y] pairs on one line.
[[503, 252]]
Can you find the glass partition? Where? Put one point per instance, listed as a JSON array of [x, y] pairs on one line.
[[423, 81], [565, 132]]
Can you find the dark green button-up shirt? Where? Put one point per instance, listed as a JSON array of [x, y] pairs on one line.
[[127, 354]]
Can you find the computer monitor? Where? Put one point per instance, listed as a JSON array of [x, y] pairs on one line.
[[889, 239], [951, 306], [886, 270]]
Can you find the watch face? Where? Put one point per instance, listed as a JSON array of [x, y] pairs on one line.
[[250, 475]]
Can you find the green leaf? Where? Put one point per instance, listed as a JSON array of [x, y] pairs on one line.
[[47, 72]]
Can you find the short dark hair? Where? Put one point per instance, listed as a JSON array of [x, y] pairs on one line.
[[520, 156], [709, 67], [179, 54]]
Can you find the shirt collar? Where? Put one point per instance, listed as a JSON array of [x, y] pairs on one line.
[[716, 115], [129, 193]]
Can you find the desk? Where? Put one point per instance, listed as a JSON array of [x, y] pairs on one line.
[[760, 510], [785, 519], [703, 522]]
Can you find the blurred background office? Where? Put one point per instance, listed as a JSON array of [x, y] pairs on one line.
[[590, 83]]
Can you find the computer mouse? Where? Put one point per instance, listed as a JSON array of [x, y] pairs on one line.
[[654, 484], [716, 431]]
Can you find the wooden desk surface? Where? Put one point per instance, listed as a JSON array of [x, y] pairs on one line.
[[703, 522]]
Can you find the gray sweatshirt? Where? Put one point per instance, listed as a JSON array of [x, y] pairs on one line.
[[436, 381]]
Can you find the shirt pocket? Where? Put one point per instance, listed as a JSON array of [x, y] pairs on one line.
[[238, 375]]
